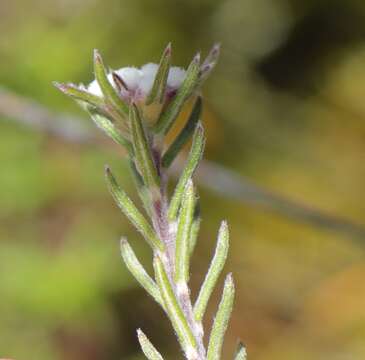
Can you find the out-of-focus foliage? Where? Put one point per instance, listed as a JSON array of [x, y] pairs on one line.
[[285, 107]]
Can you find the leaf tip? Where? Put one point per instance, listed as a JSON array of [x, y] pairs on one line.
[[168, 49], [199, 129], [223, 229], [216, 49], [228, 283], [241, 347], [196, 59], [157, 263], [58, 85], [241, 352], [206, 68], [96, 55], [62, 87], [123, 241]]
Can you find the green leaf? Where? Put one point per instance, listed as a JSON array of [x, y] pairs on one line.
[[142, 150], [173, 309], [215, 269], [183, 233], [111, 130], [184, 135], [132, 213], [209, 62], [142, 190], [173, 109], [157, 92], [136, 175], [213, 55], [195, 227], [148, 349], [138, 271], [106, 87], [240, 353], [192, 162], [80, 94], [221, 320]]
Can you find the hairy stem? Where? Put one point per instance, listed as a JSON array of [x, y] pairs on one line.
[[173, 223], [166, 230]]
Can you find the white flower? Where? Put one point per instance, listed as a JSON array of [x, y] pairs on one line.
[[139, 82], [175, 77]]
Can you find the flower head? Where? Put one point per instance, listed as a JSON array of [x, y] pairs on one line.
[[137, 82], [158, 90]]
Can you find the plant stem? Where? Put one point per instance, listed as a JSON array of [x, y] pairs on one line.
[[173, 223], [166, 231]]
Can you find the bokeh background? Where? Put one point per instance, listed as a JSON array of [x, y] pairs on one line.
[[285, 108]]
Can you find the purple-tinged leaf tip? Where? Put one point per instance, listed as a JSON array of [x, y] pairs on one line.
[[168, 49], [97, 56], [196, 58], [216, 49], [59, 86], [107, 169]]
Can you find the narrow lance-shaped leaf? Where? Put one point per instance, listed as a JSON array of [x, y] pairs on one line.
[[95, 105], [173, 109], [106, 87], [215, 269], [136, 175], [240, 353], [213, 55], [111, 130], [221, 320], [142, 150], [142, 190], [80, 94], [173, 309], [183, 235], [192, 162], [132, 213], [148, 349], [209, 63], [184, 135], [138, 271], [157, 92], [195, 227]]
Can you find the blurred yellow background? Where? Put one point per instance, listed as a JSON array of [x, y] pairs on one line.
[[284, 108]]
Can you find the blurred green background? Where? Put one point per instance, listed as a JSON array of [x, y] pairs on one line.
[[285, 107]]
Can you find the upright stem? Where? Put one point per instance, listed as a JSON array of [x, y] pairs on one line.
[[140, 124], [166, 230]]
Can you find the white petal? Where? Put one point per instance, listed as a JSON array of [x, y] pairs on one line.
[[94, 87], [131, 76], [149, 69], [149, 73], [176, 77], [140, 81]]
